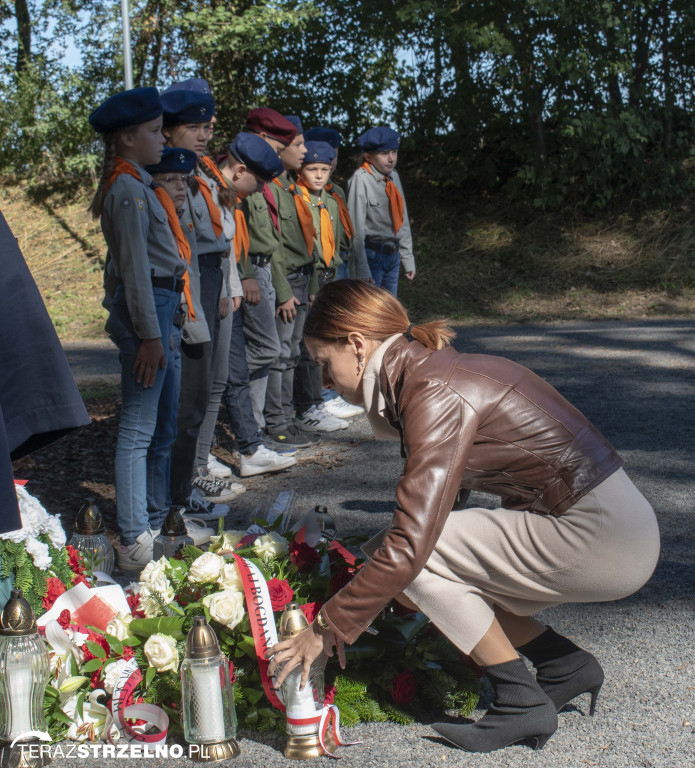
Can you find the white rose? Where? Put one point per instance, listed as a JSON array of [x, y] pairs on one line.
[[155, 594], [161, 653], [118, 626], [227, 607], [112, 673], [230, 578], [271, 545], [154, 570], [39, 552], [227, 541], [206, 568]]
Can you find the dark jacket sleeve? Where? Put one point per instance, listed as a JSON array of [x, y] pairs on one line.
[[438, 428]]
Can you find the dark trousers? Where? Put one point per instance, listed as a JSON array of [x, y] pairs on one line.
[[308, 383], [197, 361]]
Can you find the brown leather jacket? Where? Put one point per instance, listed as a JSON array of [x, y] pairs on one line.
[[475, 422]]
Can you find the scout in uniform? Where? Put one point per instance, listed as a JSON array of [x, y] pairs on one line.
[[333, 402], [145, 273], [311, 180], [187, 116], [382, 240], [258, 307], [248, 156]]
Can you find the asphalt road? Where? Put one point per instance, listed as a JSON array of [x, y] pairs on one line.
[[636, 382]]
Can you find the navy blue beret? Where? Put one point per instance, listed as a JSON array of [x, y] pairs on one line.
[[324, 134], [182, 107], [138, 105], [318, 152], [257, 155], [379, 139], [196, 84], [296, 122], [174, 160]]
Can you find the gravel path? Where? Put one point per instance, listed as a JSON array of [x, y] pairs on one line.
[[636, 382]]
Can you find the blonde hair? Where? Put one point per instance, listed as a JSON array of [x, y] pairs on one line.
[[347, 306]]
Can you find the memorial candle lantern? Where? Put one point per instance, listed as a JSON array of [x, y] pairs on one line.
[[173, 536], [24, 673], [325, 522], [303, 707], [89, 539], [207, 711]]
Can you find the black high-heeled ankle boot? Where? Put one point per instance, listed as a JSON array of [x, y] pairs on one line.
[[563, 669], [520, 711]]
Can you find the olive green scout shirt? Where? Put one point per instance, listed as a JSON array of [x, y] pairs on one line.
[[264, 239], [344, 242], [140, 245], [371, 217], [293, 254]]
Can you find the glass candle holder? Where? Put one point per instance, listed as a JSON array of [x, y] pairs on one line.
[[325, 521], [89, 539], [172, 538], [24, 673], [302, 705], [207, 707]]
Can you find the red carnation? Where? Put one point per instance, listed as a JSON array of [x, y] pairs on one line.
[[95, 638], [95, 678], [403, 687], [133, 604], [329, 692], [54, 589], [280, 593], [310, 610], [75, 560], [80, 579], [303, 556], [128, 652], [64, 618]]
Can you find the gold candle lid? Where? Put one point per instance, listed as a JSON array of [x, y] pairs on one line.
[[292, 622], [201, 642], [17, 616], [89, 521], [174, 524]]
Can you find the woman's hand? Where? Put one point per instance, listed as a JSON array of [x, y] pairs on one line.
[[301, 650]]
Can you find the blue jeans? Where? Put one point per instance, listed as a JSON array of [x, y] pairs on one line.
[[141, 411], [384, 268], [159, 452]]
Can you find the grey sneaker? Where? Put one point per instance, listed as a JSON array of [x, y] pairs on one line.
[[135, 557], [294, 437], [319, 420]]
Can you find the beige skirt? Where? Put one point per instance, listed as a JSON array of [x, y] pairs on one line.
[[604, 548]]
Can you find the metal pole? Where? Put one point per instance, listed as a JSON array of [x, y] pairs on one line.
[[127, 58]]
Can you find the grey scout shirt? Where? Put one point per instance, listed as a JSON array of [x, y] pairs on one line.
[[369, 210], [140, 245], [197, 226]]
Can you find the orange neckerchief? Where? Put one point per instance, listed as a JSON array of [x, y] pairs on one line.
[[214, 171], [396, 203], [241, 233], [345, 219], [213, 210], [327, 237], [306, 221], [124, 167]]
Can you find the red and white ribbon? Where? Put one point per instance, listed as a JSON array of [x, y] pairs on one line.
[[123, 709], [327, 717], [260, 610]]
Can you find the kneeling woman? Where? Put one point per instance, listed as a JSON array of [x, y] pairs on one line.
[[571, 527]]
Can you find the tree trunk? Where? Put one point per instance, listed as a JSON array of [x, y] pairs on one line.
[[21, 11]]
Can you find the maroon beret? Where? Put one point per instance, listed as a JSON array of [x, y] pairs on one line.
[[272, 123]]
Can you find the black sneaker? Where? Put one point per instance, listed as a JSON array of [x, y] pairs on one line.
[[293, 437], [214, 489]]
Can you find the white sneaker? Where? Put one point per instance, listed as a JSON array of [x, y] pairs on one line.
[[319, 420], [217, 468], [135, 557], [342, 409], [265, 460]]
